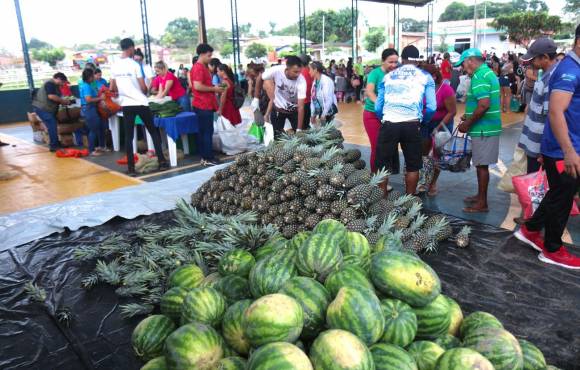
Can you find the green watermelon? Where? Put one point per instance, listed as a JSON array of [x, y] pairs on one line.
[[273, 318], [350, 275], [352, 259], [236, 262], [405, 277], [400, 322], [456, 316], [499, 346], [314, 299], [188, 277], [210, 280], [356, 244], [463, 359], [388, 242], [448, 341], [533, 357], [340, 350], [358, 311], [390, 357], [194, 346], [232, 327], [476, 320], [232, 363], [150, 334], [279, 356], [298, 239], [331, 227], [204, 305], [318, 256], [271, 272], [271, 246], [233, 288], [433, 319], [425, 354], [158, 363], [172, 301]]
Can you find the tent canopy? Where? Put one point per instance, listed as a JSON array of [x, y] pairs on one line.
[[402, 2]]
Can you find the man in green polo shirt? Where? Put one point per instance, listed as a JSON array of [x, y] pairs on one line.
[[482, 120]]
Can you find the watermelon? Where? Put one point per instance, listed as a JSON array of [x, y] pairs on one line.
[[299, 239], [533, 357], [172, 301], [232, 363], [425, 354], [356, 244], [150, 334], [204, 305], [314, 299], [463, 359], [188, 277], [456, 316], [388, 242], [331, 227], [273, 318], [433, 319], [279, 356], [350, 275], [271, 272], [499, 346], [271, 246], [232, 327], [318, 256], [340, 350], [236, 262], [405, 277], [390, 357], [210, 280], [358, 311], [400, 322], [352, 259], [233, 288], [448, 341], [158, 363], [476, 320], [194, 346]]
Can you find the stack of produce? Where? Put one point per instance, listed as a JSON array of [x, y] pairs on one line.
[[166, 109], [322, 300]]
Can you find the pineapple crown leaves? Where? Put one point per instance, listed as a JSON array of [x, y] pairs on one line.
[[35, 292], [414, 210], [135, 309], [437, 227], [431, 247], [371, 223], [329, 153], [337, 168], [418, 222], [109, 272], [379, 177], [465, 230], [388, 224], [403, 199], [290, 142]]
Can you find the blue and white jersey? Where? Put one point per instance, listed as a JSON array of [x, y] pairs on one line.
[[402, 93]]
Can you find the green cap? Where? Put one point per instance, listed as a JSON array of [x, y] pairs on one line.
[[472, 52]]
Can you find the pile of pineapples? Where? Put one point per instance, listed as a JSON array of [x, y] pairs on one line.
[[308, 177]]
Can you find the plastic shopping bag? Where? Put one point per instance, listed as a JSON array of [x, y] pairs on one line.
[[233, 142], [268, 133], [440, 138], [257, 131], [518, 167]]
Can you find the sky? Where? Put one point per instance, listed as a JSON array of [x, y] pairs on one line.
[[76, 23]]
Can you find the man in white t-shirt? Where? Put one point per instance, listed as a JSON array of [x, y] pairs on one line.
[[127, 81], [286, 88]]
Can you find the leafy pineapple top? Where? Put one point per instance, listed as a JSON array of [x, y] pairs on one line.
[[465, 231], [388, 224], [379, 177]]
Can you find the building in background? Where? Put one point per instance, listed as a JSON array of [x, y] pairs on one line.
[[459, 35]]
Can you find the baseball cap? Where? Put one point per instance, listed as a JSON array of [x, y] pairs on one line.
[[469, 53], [541, 46]]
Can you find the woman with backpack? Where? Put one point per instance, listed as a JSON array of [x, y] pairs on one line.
[[227, 107]]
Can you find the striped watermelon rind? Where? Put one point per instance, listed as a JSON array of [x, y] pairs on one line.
[[234, 288], [387, 356], [194, 346], [314, 300], [405, 277], [158, 363], [357, 311], [328, 352], [425, 354], [171, 302], [271, 272], [499, 346], [462, 359], [448, 341], [350, 275], [273, 318], [236, 262], [456, 316], [271, 246], [331, 227], [279, 356], [298, 239], [204, 305], [400, 322], [188, 277], [476, 320], [232, 328], [387, 243], [433, 319], [356, 244], [354, 260], [149, 336], [210, 280], [318, 256], [533, 358], [232, 363]]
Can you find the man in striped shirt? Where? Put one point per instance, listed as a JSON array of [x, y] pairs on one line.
[[482, 120]]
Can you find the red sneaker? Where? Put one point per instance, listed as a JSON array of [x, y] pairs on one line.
[[561, 258], [532, 238]]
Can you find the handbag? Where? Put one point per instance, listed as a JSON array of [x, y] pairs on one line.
[[518, 167], [107, 107], [257, 131], [455, 156]]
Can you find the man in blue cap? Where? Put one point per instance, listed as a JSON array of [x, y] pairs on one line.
[[482, 121]]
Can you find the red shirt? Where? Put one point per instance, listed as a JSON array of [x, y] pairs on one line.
[[201, 99], [175, 92], [309, 82], [446, 69]]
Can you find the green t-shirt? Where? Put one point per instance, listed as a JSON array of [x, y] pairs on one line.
[[484, 84], [375, 77]]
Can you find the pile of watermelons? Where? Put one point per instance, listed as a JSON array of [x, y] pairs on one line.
[[322, 300]]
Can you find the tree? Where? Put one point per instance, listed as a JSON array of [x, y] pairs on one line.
[[218, 38], [337, 23], [256, 51], [572, 6], [443, 47], [84, 46], [454, 12], [412, 25], [38, 44], [374, 39], [291, 30], [51, 56], [180, 33], [458, 11], [272, 27], [522, 28], [227, 50], [245, 29]]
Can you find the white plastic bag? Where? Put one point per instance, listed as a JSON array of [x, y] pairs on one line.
[[441, 138], [233, 142], [464, 84], [269, 133], [221, 124], [518, 167]]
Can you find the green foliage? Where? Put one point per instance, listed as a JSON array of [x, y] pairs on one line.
[[51, 56], [35, 292], [227, 50], [522, 28], [457, 11], [374, 38], [245, 29], [566, 32], [272, 27], [291, 30], [38, 44], [412, 25], [218, 38], [256, 51], [180, 33], [85, 47], [337, 26], [573, 6]]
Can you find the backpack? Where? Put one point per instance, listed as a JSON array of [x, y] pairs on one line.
[[239, 96]]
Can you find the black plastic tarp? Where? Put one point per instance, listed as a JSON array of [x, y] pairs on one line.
[[495, 273]]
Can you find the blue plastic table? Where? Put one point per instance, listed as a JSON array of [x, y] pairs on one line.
[[175, 127]]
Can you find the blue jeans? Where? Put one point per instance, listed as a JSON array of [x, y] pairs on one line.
[[49, 120], [205, 135], [95, 125], [185, 103]]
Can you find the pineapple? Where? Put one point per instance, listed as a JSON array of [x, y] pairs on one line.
[[413, 228], [289, 166], [295, 205], [373, 238], [335, 160], [394, 195], [338, 206], [273, 198], [349, 214], [291, 192], [288, 231], [347, 169], [425, 239], [352, 155], [397, 205], [290, 218], [312, 220], [308, 187], [326, 192], [273, 211], [432, 220], [323, 208], [403, 221], [311, 202], [360, 194], [357, 225], [358, 177], [376, 194], [271, 175], [299, 177], [379, 208], [302, 214], [462, 238], [359, 164], [414, 199]]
